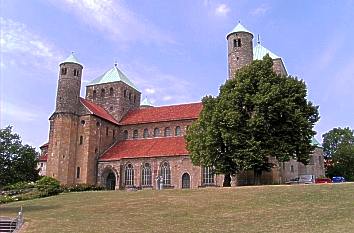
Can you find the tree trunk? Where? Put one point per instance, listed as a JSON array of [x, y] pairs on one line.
[[227, 180]]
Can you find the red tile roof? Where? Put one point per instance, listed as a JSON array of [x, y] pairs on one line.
[[143, 148], [43, 158], [97, 110], [164, 113]]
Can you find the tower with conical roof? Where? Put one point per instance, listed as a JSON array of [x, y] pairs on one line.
[[63, 132], [239, 49]]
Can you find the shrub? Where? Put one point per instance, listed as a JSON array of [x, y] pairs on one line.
[[19, 185], [81, 188], [48, 186]]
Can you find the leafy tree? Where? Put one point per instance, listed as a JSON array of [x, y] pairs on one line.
[[338, 146], [17, 162], [256, 115]]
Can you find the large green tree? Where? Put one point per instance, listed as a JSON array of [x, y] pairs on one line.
[[256, 115], [17, 162], [338, 146]]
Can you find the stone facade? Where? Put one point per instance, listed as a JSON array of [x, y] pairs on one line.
[[84, 131], [240, 51]]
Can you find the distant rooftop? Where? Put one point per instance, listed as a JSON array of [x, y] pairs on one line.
[[113, 75], [146, 102]]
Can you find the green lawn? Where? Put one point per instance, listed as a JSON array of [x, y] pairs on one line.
[[297, 208]]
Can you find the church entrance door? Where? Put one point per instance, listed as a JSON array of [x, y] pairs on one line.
[[111, 181], [186, 181]]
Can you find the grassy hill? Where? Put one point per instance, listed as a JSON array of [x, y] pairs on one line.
[[297, 208]]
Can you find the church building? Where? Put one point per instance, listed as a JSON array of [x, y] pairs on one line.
[[112, 138]]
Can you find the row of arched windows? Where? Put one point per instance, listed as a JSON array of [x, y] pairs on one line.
[[64, 71], [167, 132], [146, 174], [129, 95], [102, 93]]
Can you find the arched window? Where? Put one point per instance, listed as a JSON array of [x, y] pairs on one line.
[[238, 42], [125, 93], [165, 172], [78, 172], [235, 43], [135, 133], [130, 96], [94, 94], [81, 140], [146, 175], [178, 131], [76, 73], [125, 134], [146, 133], [106, 131], [111, 91], [292, 168], [156, 132], [63, 71], [208, 175], [134, 99], [167, 132], [103, 92], [129, 175]]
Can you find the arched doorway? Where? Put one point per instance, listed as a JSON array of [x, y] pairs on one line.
[[111, 181], [186, 181]]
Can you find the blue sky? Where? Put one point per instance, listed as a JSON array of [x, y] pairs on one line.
[[174, 51]]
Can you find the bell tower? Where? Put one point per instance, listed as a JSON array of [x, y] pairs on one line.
[[63, 132], [239, 49]]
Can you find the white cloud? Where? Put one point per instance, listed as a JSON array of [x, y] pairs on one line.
[[261, 10], [150, 90], [159, 87], [15, 112], [21, 46], [222, 9], [114, 20]]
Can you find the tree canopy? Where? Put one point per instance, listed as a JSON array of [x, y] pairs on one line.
[[338, 146], [256, 115], [17, 162]]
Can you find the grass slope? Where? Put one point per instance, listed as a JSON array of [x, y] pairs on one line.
[[297, 208]]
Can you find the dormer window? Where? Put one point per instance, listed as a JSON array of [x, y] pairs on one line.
[[63, 71]]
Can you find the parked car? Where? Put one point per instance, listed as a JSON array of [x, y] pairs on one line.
[[338, 179], [307, 179], [323, 180], [293, 181]]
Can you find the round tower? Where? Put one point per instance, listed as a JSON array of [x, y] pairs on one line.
[[240, 49], [69, 85]]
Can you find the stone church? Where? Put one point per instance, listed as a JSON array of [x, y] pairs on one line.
[[114, 139]]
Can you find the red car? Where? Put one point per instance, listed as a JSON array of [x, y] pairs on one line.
[[323, 180]]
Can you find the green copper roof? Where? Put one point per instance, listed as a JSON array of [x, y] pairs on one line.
[[71, 59], [146, 102], [113, 75], [259, 52], [239, 28], [314, 142]]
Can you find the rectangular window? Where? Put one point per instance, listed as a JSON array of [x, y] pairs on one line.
[[208, 176], [78, 172]]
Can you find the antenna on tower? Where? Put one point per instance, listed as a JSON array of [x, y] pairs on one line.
[[258, 40], [115, 63]]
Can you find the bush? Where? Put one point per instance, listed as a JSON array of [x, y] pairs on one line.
[[19, 185], [81, 188], [48, 186]]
